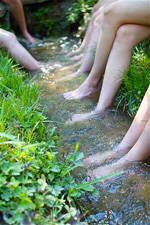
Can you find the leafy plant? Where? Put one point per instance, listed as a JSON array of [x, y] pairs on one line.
[[80, 7], [36, 186], [136, 81]]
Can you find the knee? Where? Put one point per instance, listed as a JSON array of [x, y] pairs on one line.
[[110, 14], [109, 10], [9, 39], [125, 35], [12, 37]]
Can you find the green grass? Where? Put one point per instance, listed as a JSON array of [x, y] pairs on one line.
[[35, 185], [136, 80]]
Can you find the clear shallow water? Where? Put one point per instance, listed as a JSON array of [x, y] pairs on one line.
[[122, 200]]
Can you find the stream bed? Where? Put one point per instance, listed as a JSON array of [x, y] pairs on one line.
[[122, 200]]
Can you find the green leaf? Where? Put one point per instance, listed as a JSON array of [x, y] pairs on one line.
[[6, 196], [55, 169], [3, 180], [50, 156], [78, 156], [98, 180]]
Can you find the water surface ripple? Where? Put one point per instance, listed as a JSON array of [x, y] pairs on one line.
[[122, 200]]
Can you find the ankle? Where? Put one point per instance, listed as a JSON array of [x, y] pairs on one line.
[[92, 83], [101, 108], [25, 32], [83, 69], [124, 147]]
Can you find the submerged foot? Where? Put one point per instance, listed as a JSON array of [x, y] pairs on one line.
[[77, 58], [105, 157], [78, 51], [29, 38], [99, 158], [83, 91], [86, 116], [109, 169]]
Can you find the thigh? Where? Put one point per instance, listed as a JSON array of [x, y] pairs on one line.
[[131, 11]]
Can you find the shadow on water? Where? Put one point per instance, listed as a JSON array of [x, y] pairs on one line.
[[122, 200]]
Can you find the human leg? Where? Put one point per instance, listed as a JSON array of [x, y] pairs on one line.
[[93, 35], [88, 58], [17, 51], [18, 13], [96, 7], [126, 38], [89, 52], [88, 33], [116, 14], [91, 38], [136, 129], [119, 59], [138, 123], [139, 152]]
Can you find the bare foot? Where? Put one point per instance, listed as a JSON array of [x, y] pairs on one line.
[[77, 58], [76, 52], [29, 38], [109, 169], [86, 116], [105, 157], [83, 91], [99, 159], [34, 72]]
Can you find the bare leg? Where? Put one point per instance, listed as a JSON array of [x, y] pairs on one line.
[[138, 123], [18, 13], [139, 152], [17, 51], [91, 45], [88, 34], [90, 41], [89, 52], [105, 157], [132, 136], [86, 37], [116, 14], [127, 37]]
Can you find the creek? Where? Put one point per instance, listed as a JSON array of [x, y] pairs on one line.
[[122, 200]]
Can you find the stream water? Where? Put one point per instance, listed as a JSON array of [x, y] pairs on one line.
[[122, 200]]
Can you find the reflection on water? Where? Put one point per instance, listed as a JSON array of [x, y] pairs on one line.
[[122, 200]]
